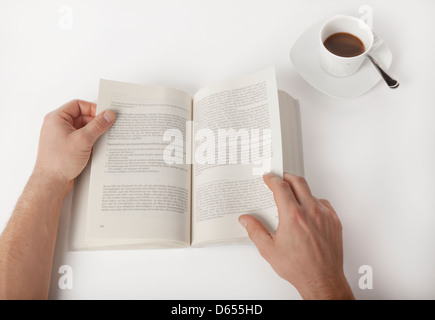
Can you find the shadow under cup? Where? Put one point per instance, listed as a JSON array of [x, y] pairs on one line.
[[344, 66]]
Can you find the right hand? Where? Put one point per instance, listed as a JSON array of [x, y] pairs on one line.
[[307, 248]]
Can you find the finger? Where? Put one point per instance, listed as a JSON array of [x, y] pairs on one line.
[[327, 204], [96, 127], [76, 108], [257, 233], [331, 210], [300, 189], [284, 198], [81, 121]]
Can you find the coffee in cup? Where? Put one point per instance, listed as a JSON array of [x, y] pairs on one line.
[[344, 44]]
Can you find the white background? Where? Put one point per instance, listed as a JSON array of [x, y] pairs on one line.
[[373, 156]]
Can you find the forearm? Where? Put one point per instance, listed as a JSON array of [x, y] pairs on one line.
[[28, 241]]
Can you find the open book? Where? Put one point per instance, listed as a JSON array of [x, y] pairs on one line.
[[176, 170]]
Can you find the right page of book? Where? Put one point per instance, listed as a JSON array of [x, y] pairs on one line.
[[236, 138]]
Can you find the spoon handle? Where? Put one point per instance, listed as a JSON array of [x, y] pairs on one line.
[[392, 83]]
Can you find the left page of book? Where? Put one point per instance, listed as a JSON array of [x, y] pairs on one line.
[[137, 199]]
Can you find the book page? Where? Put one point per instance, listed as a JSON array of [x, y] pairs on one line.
[[135, 196], [237, 138]]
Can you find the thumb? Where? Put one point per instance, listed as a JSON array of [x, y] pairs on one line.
[[99, 125], [257, 233]]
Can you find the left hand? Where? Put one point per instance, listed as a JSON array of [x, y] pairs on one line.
[[67, 137]]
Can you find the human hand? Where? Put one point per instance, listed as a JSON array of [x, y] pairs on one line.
[[67, 137], [307, 247]]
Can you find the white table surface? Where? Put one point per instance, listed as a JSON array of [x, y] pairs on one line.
[[372, 156]]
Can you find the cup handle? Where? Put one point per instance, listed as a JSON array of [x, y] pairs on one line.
[[377, 42]]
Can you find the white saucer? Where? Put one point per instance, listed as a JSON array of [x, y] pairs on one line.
[[305, 55]]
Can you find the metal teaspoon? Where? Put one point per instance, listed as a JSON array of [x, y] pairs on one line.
[[392, 83]]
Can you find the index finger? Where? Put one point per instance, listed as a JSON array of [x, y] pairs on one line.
[[76, 108]]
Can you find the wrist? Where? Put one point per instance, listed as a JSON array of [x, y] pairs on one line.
[[49, 180], [336, 288]]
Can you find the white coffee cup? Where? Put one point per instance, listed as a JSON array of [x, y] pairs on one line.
[[344, 66]]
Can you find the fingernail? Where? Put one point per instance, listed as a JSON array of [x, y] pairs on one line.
[[109, 116], [268, 175], [243, 222]]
